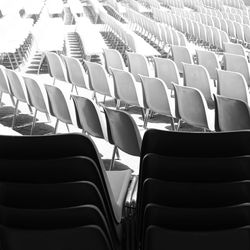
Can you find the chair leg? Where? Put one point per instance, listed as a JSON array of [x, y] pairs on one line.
[[48, 117], [15, 112], [179, 125], [67, 125], [12, 100], [57, 121], [146, 118], [172, 124], [76, 90], [1, 94], [33, 122], [117, 154], [104, 99], [30, 109], [112, 163], [54, 80], [118, 104]]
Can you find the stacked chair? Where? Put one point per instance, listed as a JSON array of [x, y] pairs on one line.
[[193, 195], [57, 194]]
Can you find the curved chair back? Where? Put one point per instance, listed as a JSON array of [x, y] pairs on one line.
[[76, 73], [56, 66], [197, 76], [113, 59], [234, 48], [231, 114], [138, 64], [192, 108], [124, 131], [166, 70], [232, 85]]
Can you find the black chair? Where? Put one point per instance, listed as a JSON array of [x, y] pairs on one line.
[[29, 228], [161, 238]]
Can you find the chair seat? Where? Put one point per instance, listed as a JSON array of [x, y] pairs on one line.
[[119, 182]]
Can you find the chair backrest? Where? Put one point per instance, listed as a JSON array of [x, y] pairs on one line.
[[166, 70], [192, 108], [232, 84], [57, 104], [17, 86], [125, 87], [36, 95], [124, 131], [113, 59], [210, 61], [89, 117], [197, 76], [231, 114], [154, 141], [157, 97], [181, 54], [159, 238], [56, 66], [138, 64], [239, 64], [234, 48], [4, 85], [76, 72], [87, 237], [98, 79]]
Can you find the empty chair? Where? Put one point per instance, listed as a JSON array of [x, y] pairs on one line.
[[239, 32], [191, 107], [196, 76], [4, 85], [217, 42], [157, 99], [234, 48], [37, 99], [18, 90], [113, 59], [57, 68], [124, 132], [58, 106], [210, 61], [138, 64], [166, 70], [160, 238], [98, 79], [233, 85], [210, 36], [181, 54], [246, 29], [239, 64], [231, 114], [126, 88], [76, 73]]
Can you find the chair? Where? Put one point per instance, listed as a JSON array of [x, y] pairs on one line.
[[210, 61], [231, 114], [138, 64], [166, 70], [239, 32], [234, 48], [157, 99], [18, 90], [191, 107], [4, 85], [123, 132], [56, 170], [76, 73], [181, 54], [57, 228], [246, 29], [98, 79], [113, 59], [239, 64], [58, 106], [232, 85], [126, 88], [57, 68], [197, 76], [36, 99], [160, 238]]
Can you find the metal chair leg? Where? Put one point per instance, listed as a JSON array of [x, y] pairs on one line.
[[112, 163], [67, 125], [33, 122], [56, 125], [30, 109], [15, 112], [172, 124], [48, 117]]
